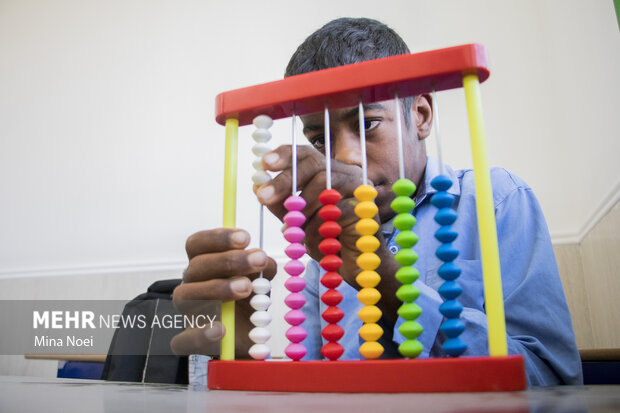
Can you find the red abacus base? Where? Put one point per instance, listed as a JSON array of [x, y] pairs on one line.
[[464, 374]]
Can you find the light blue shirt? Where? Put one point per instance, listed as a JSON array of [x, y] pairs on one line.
[[538, 323]]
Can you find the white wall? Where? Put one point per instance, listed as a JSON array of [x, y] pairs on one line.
[[110, 156]]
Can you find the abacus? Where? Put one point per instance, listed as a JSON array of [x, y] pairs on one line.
[[346, 86]]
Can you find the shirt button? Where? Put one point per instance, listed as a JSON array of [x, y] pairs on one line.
[[394, 249]]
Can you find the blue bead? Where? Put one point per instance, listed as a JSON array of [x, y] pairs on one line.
[[452, 328], [449, 271], [441, 183], [454, 347], [451, 309], [445, 216], [446, 234], [450, 290], [446, 252], [442, 200]]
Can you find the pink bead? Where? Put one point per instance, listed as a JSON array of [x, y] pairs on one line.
[[294, 234], [294, 267], [296, 334], [295, 301], [295, 284], [294, 203], [295, 317], [295, 351], [294, 219], [295, 251]]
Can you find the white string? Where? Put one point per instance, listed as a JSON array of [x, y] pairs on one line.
[[328, 154], [399, 130], [363, 143], [437, 134], [294, 157]]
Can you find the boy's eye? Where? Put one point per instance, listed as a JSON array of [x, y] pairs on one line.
[[370, 124], [318, 142]]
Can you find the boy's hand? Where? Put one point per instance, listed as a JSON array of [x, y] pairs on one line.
[[311, 182], [220, 268]]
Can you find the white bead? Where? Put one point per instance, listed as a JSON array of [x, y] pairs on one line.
[[260, 302], [260, 149], [261, 135], [263, 122], [261, 286], [258, 164], [260, 335], [261, 177], [260, 318], [259, 351]]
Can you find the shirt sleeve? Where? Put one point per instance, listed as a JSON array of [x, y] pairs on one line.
[[538, 322]]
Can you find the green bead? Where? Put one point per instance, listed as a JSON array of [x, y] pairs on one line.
[[409, 311], [406, 257], [406, 239], [404, 222], [402, 204], [407, 275], [410, 348], [407, 293], [410, 329], [403, 187]]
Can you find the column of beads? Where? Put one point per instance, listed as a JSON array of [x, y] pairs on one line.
[[331, 263], [260, 302], [407, 274], [403, 205], [368, 279], [294, 219], [451, 309], [368, 261]]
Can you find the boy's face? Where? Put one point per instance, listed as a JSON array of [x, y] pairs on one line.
[[381, 143]]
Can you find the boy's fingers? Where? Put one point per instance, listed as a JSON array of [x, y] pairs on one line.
[[216, 240], [226, 264], [220, 289], [198, 340]]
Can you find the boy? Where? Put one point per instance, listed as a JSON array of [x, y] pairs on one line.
[[538, 322]]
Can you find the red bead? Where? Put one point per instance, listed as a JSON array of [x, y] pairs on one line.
[[330, 279], [329, 197], [331, 297], [331, 262], [329, 246], [332, 332], [332, 315], [329, 229], [332, 351], [330, 213]]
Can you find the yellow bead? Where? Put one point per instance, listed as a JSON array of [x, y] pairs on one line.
[[369, 314], [367, 243], [368, 261], [371, 350], [371, 332], [367, 279], [366, 209], [365, 193], [367, 226], [368, 296]]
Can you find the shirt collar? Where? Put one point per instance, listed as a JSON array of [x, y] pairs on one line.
[[431, 171]]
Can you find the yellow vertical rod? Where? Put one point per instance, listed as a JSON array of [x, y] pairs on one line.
[[230, 214], [493, 296]]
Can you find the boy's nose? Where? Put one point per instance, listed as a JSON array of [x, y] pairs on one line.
[[346, 148]]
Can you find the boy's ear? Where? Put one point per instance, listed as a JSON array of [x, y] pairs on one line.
[[422, 115]]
